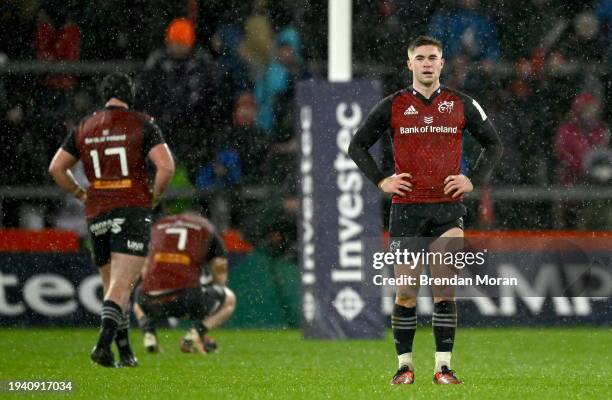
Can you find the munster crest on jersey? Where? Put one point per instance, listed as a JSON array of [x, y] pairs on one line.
[[446, 106]]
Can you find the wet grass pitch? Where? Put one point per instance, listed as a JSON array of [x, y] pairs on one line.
[[500, 363]]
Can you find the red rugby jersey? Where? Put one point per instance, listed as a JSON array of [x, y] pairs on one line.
[[427, 140], [113, 144], [180, 247]]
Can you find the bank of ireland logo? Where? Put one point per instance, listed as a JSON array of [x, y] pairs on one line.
[[446, 106], [428, 119], [348, 303]]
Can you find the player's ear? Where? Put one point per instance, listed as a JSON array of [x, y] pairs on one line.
[[441, 63], [409, 64]]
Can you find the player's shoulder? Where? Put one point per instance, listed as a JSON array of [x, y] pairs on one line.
[[456, 93], [387, 102], [93, 115], [398, 93], [143, 117], [471, 105]]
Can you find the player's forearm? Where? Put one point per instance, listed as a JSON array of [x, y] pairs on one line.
[[66, 181], [490, 155], [492, 149], [163, 177], [364, 160], [369, 133]]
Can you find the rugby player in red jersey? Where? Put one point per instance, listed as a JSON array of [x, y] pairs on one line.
[[185, 276], [114, 144], [426, 122]]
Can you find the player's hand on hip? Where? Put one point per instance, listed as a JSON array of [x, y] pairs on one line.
[[80, 194], [398, 184], [456, 185]]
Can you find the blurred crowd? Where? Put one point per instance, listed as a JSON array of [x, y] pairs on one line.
[[219, 78]]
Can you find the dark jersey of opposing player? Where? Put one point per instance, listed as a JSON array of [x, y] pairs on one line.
[[113, 144], [427, 136], [181, 246]]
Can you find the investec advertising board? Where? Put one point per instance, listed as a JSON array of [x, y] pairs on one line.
[[339, 210], [49, 289]]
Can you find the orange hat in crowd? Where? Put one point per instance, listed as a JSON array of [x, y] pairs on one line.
[[181, 31]]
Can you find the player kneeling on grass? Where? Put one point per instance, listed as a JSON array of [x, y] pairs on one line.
[[183, 249]]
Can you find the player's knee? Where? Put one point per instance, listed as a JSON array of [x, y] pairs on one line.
[[405, 301]]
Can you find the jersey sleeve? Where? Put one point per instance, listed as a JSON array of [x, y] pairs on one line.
[[375, 125], [481, 128], [69, 144], [217, 248], [152, 135]]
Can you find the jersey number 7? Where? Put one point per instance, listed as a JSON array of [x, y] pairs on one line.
[[182, 239]]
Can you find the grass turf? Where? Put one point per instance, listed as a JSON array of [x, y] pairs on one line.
[[502, 363]]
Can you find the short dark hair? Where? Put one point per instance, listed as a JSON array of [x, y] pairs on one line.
[[423, 40], [119, 86]]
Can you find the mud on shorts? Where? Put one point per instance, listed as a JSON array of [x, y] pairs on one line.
[[193, 303], [123, 230]]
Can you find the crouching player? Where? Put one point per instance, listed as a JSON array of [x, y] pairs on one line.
[[183, 248]]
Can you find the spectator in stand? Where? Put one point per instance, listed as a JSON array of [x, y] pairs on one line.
[[250, 142], [382, 28], [582, 146], [470, 39], [527, 26], [57, 38], [278, 81], [242, 149], [257, 45], [582, 132], [179, 88], [233, 70], [466, 31], [534, 131], [285, 29], [577, 52], [582, 43], [275, 93]]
